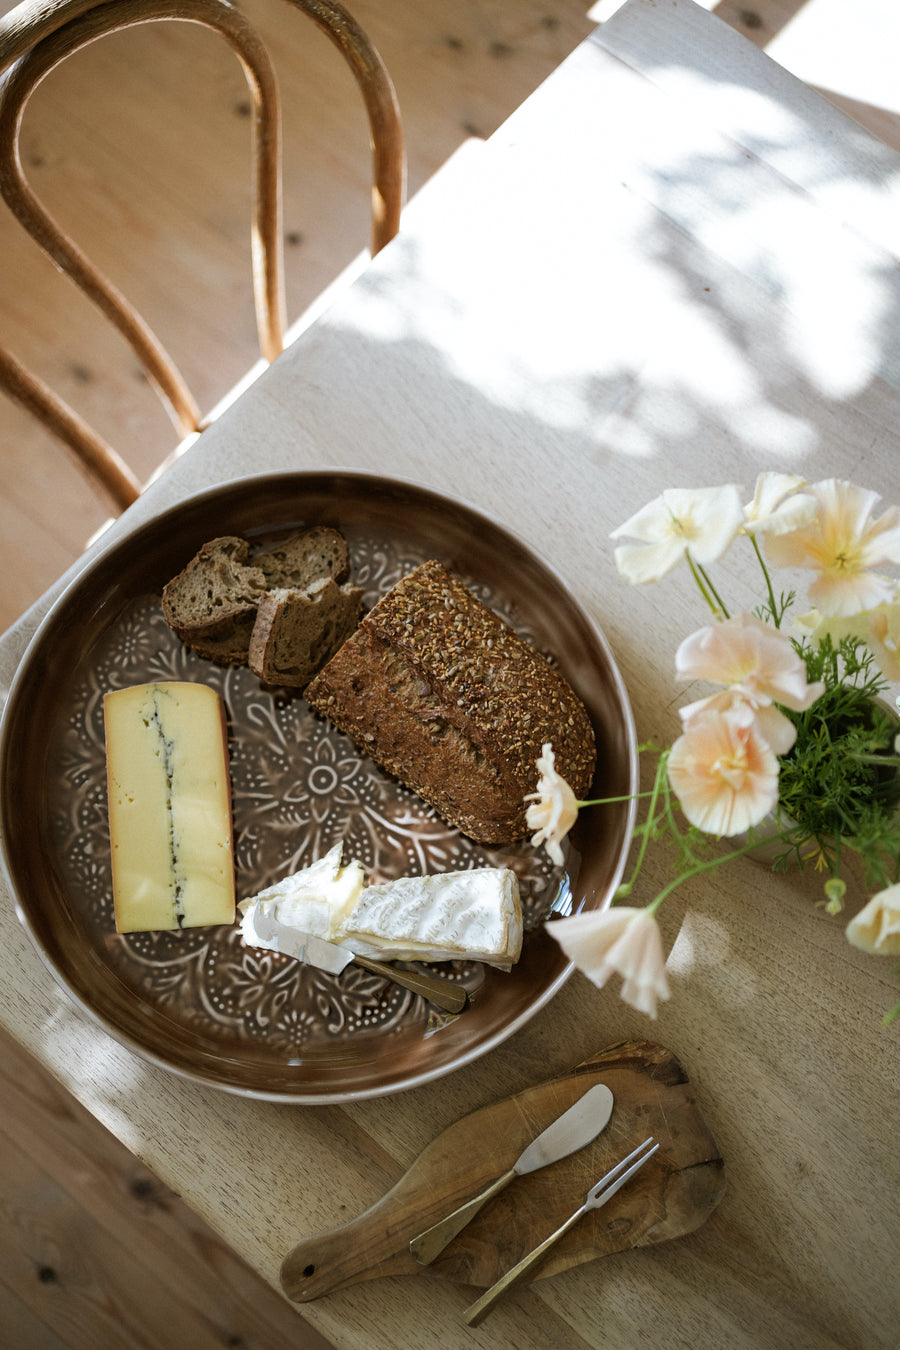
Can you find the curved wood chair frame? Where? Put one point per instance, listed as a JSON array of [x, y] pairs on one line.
[[34, 39]]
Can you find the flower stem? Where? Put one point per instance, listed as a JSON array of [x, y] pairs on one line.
[[721, 610], [776, 617], [708, 866], [608, 801], [651, 814], [707, 589]]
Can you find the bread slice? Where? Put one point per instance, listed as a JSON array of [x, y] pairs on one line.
[[449, 699], [296, 632], [318, 552], [212, 603]]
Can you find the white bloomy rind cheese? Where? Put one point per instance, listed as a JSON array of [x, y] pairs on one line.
[[169, 807], [474, 915]]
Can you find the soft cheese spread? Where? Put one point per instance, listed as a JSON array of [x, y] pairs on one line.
[[473, 915]]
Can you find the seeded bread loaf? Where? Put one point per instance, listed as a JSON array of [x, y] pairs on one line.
[[449, 699], [212, 603], [296, 632]]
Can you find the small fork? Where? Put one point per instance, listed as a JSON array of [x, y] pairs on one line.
[[598, 1195]]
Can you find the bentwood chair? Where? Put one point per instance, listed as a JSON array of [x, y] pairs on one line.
[[35, 38]]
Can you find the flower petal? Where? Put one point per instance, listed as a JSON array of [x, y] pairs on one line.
[[553, 809], [702, 521], [843, 545], [884, 637], [643, 563], [768, 513], [618, 940], [845, 596], [724, 774], [776, 730], [751, 656], [876, 928]]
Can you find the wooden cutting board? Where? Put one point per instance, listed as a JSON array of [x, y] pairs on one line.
[[670, 1196]]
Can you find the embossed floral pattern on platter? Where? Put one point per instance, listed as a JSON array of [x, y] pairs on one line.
[[298, 787]]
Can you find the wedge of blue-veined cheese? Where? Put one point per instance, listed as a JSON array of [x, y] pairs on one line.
[[169, 799], [451, 916]]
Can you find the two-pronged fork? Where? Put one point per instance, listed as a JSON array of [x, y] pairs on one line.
[[598, 1195]]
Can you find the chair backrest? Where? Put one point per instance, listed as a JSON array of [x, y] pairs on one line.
[[34, 38]]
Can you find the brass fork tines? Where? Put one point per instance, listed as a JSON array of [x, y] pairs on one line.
[[598, 1195]]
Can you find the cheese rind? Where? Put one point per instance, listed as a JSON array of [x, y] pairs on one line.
[[474, 915], [452, 916], [169, 802]]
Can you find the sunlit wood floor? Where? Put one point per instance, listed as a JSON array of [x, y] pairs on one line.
[[139, 146]]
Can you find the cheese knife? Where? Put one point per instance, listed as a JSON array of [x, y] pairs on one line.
[[571, 1131], [328, 956]]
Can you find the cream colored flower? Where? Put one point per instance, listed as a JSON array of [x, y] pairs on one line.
[[878, 628], [876, 928], [883, 637], [623, 940], [724, 773], [815, 625], [702, 521], [778, 505], [553, 809], [843, 544], [760, 666]]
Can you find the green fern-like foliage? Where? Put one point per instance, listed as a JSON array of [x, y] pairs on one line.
[[835, 783]]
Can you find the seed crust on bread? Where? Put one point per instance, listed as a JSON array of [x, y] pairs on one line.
[[448, 698]]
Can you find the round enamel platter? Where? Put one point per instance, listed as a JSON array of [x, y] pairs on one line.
[[198, 1001]]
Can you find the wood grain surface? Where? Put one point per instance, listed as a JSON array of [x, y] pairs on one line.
[[777, 1019], [152, 172], [671, 1196], [96, 1250]]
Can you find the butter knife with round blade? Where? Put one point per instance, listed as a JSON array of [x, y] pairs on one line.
[[575, 1128], [328, 956]]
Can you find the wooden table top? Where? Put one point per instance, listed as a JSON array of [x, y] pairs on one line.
[[675, 265]]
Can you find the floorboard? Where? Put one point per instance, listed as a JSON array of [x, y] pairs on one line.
[[95, 1250]]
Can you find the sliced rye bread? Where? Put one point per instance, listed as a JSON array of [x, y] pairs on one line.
[[212, 603], [446, 697], [316, 553], [296, 631]]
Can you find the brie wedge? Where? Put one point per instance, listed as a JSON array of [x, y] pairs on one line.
[[453, 916]]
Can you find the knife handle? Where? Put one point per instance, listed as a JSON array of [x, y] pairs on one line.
[[429, 1245], [443, 994]]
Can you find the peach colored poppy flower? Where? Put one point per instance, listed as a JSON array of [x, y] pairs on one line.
[[759, 665], [876, 927], [702, 521], [604, 942], [553, 810], [778, 505], [842, 545], [724, 773]]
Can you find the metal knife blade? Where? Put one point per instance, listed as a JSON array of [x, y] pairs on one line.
[[312, 951], [575, 1128], [328, 956]]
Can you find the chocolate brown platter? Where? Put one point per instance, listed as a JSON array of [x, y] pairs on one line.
[[197, 1001]]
